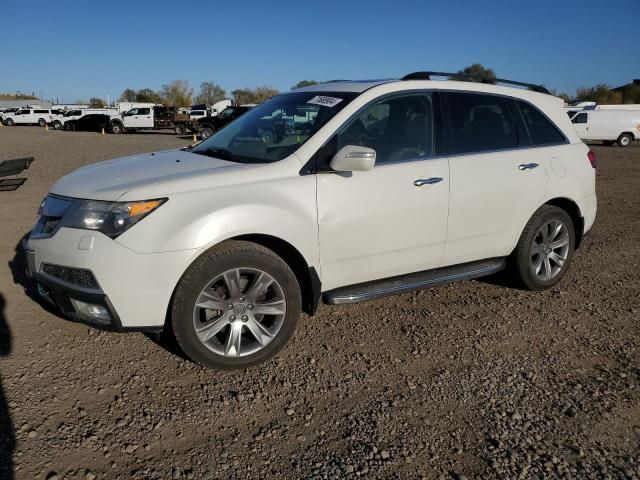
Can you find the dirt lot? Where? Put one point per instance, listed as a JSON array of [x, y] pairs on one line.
[[472, 380]]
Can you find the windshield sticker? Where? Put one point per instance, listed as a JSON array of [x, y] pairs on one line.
[[325, 101]]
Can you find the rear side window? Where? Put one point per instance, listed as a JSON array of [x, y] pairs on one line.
[[541, 129], [41, 111], [580, 118], [144, 111], [480, 123]]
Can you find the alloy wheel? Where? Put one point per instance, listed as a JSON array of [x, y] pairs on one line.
[[239, 312], [549, 250]]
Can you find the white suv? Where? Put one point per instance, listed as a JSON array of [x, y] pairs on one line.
[[364, 189], [30, 116]]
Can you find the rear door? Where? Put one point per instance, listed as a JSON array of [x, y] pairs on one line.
[[392, 219], [497, 181]]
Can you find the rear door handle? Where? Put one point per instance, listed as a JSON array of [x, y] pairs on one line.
[[427, 181], [527, 166]]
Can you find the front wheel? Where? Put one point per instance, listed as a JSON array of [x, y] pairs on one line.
[[9, 122], [117, 128], [545, 249], [69, 127], [236, 306], [206, 132], [624, 140], [57, 125]]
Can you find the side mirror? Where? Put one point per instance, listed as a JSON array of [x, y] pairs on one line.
[[352, 158]]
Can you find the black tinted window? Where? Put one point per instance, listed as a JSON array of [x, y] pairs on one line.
[[541, 129], [397, 128], [480, 123], [41, 111], [580, 118], [144, 111]]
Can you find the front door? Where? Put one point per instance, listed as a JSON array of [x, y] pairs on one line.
[[138, 118], [392, 219], [581, 124]]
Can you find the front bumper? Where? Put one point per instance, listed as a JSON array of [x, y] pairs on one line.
[[135, 289]]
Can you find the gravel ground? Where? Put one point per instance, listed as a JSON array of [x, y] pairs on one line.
[[472, 380]]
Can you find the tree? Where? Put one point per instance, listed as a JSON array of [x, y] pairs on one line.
[[256, 95], [178, 93], [210, 93], [146, 95], [479, 73], [600, 94], [304, 83], [128, 95], [97, 102], [631, 93]]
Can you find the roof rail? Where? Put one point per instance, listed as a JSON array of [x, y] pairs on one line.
[[470, 78]]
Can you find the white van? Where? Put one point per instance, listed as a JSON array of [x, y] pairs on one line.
[[608, 126]]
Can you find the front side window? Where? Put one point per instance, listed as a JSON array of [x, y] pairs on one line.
[[398, 128], [580, 118], [274, 129], [480, 123], [541, 129]]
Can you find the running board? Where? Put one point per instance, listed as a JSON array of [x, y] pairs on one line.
[[413, 281]]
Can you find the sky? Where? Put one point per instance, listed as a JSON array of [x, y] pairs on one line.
[[73, 50]]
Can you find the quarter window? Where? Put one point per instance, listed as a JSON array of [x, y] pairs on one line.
[[580, 118], [480, 123], [541, 129], [398, 128]]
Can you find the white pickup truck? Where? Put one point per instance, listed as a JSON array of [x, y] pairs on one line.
[[151, 118]]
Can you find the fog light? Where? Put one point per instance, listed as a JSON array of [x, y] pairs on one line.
[[91, 311]]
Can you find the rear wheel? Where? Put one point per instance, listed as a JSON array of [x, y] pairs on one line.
[[545, 249], [42, 122], [179, 130], [236, 306], [206, 132], [624, 140]]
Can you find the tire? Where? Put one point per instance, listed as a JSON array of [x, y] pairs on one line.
[[57, 125], [624, 140], [42, 122], [117, 128], [540, 271], [210, 280], [69, 127], [179, 130], [9, 122], [206, 132]]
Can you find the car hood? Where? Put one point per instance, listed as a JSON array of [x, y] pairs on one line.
[[111, 179]]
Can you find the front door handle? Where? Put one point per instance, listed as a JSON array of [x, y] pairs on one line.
[[527, 166], [427, 181]]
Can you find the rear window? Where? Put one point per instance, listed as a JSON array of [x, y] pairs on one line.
[[541, 129], [480, 123]]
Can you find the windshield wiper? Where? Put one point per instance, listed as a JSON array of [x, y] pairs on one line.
[[221, 153]]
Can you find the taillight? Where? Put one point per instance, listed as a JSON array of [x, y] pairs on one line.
[[592, 158]]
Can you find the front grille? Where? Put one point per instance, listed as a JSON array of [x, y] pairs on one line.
[[75, 276]]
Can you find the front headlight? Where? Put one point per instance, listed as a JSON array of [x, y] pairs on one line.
[[110, 218]]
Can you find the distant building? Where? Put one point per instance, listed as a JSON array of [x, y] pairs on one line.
[[636, 81], [23, 103]]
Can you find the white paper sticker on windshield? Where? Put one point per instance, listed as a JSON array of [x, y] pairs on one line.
[[325, 101]]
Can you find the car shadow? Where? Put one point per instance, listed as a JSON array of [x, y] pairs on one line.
[[18, 267], [7, 431]]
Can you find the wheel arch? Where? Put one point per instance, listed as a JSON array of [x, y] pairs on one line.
[[633, 135], [307, 276], [573, 210]]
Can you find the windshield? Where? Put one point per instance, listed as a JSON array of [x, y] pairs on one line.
[[275, 129]]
